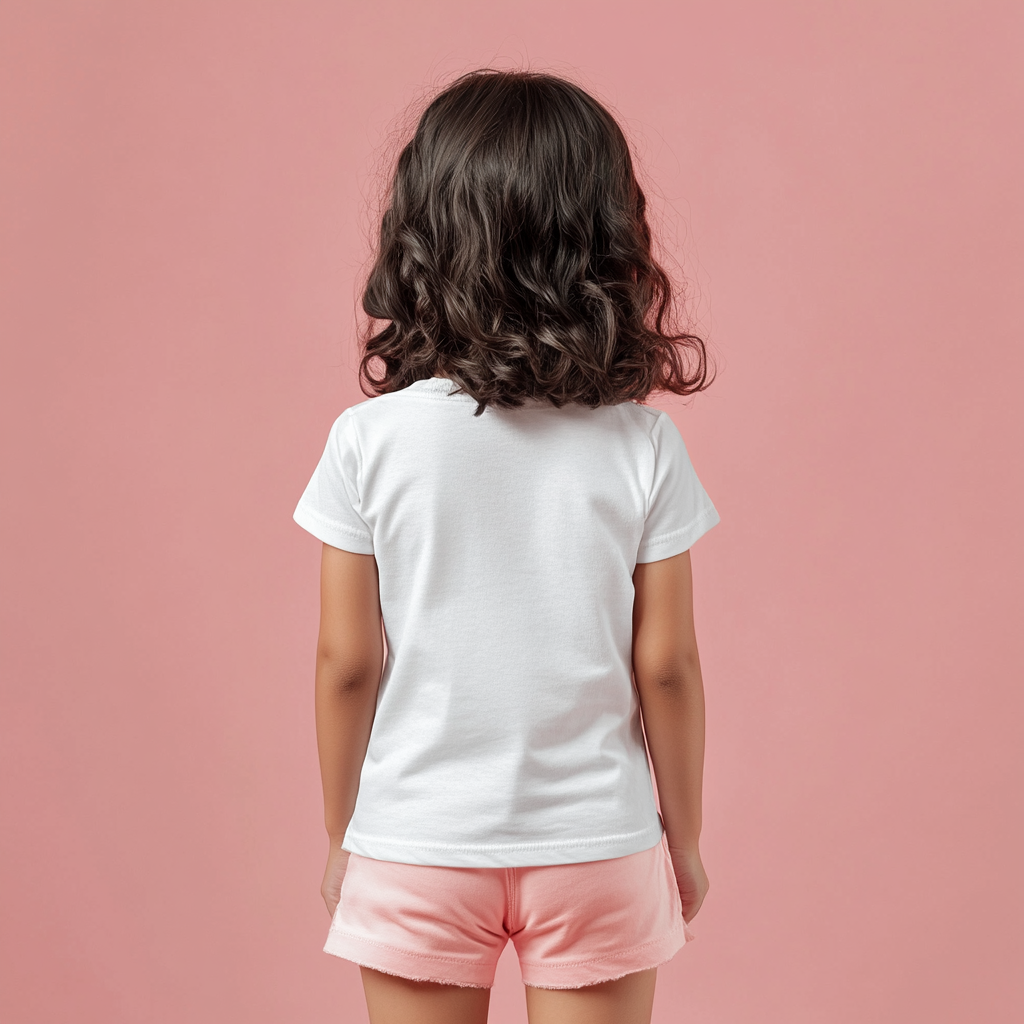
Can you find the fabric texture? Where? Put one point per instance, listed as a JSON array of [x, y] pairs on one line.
[[572, 925], [507, 730]]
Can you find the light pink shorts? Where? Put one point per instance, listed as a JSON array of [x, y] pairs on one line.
[[571, 924]]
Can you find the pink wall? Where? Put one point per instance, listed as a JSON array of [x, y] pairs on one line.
[[183, 226]]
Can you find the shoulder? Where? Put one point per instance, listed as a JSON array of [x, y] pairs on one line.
[[654, 423], [370, 409], [633, 413]]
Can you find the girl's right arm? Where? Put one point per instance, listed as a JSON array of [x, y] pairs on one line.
[[666, 670]]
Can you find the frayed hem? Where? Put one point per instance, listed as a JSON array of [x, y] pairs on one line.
[[405, 977], [601, 981]]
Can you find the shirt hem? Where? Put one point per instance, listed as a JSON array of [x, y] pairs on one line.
[[504, 855]]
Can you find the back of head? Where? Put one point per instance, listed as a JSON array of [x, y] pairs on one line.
[[515, 255]]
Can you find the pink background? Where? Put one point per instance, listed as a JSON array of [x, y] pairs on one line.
[[183, 223]]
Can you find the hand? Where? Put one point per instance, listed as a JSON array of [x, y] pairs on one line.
[[691, 879], [337, 865]]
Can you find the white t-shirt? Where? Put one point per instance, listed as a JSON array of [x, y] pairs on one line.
[[507, 730]]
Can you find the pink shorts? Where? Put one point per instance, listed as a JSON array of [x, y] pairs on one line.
[[571, 924]]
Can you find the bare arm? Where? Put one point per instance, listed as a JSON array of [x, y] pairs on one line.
[[349, 659], [666, 668]]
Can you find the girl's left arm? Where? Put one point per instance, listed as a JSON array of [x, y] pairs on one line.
[[349, 661]]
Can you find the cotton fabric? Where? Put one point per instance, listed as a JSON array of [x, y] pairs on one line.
[[507, 730], [572, 925]]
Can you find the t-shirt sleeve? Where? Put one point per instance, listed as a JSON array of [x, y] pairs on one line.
[[330, 506], [679, 511]]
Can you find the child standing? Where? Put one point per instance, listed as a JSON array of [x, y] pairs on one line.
[[520, 523]]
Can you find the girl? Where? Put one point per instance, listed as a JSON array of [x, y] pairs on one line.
[[520, 522]]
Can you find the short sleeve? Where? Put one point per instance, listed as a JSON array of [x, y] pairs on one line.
[[329, 506], [679, 511]]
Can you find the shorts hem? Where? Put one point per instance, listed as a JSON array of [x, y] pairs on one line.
[[412, 966], [610, 967]]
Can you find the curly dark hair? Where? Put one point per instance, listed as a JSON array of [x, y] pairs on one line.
[[515, 255]]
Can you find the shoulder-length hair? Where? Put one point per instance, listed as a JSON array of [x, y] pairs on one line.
[[515, 255]]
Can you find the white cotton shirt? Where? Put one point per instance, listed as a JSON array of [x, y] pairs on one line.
[[507, 731]]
